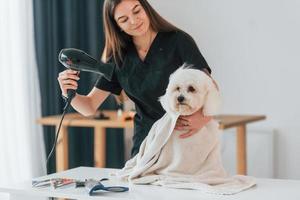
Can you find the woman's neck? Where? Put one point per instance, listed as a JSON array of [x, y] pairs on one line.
[[144, 42]]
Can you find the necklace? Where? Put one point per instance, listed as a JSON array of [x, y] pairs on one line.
[[142, 53], [148, 45]]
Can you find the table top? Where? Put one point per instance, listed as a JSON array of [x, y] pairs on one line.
[[76, 119], [228, 121], [275, 189]]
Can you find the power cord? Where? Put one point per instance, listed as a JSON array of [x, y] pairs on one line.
[[67, 105]]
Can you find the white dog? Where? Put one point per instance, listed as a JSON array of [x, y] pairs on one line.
[[188, 91], [194, 162]]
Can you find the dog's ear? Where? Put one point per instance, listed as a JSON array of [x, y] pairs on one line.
[[213, 100], [164, 102]]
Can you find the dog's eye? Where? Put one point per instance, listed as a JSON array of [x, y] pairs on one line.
[[177, 88], [191, 89]]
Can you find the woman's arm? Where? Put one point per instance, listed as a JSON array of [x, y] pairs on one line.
[[88, 105]]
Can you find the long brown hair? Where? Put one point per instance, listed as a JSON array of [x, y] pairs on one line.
[[116, 40]]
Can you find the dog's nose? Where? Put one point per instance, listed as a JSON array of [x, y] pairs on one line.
[[180, 99]]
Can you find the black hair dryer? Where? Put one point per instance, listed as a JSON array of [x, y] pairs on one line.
[[78, 60]]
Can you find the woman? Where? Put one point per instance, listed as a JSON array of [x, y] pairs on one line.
[[145, 49]]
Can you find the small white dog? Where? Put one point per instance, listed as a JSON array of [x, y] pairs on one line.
[[188, 91], [194, 162]]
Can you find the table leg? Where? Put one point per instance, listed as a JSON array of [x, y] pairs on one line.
[[241, 150], [62, 154], [99, 147]]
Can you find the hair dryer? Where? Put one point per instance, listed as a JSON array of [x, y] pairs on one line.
[[78, 60]]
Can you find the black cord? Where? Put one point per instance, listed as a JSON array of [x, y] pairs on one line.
[[68, 103]]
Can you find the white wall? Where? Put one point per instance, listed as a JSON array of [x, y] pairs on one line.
[[253, 48]]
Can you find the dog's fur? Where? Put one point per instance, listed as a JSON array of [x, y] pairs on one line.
[[197, 89]]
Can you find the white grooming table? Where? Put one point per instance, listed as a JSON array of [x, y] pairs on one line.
[[270, 189]]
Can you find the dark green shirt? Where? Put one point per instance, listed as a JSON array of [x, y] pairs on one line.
[[145, 81]]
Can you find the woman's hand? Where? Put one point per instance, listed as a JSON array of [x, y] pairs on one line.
[[68, 80], [192, 123]]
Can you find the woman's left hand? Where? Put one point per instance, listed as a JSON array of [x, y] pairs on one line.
[[191, 123]]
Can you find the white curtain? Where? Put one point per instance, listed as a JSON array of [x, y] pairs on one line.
[[21, 140]]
